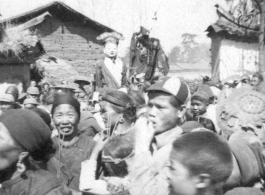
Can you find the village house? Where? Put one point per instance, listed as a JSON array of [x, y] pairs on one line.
[[63, 33], [234, 46]]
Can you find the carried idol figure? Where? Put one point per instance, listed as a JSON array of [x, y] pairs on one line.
[[110, 72]]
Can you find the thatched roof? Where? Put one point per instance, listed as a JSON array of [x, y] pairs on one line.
[[54, 70], [58, 10], [228, 28], [20, 47]]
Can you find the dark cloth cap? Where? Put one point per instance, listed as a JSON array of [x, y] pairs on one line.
[[27, 128], [66, 99]]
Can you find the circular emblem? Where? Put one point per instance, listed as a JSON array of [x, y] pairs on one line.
[[251, 104]]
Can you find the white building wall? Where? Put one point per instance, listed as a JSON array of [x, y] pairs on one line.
[[237, 58]]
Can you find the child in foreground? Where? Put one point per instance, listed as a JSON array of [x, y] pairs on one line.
[[200, 162]]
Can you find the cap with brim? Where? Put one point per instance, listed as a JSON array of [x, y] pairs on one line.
[[173, 86], [65, 86], [7, 98], [33, 91], [30, 101], [86, 82]]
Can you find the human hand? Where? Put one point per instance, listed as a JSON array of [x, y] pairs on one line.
[[102, 139], [114, 184], [144, 134]]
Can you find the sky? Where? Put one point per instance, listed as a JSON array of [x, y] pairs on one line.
[[174, 17]]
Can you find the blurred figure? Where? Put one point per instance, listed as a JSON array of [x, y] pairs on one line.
[[33, 83], [7, 102], [33, 92], [257, 78], [30, 103], [13, 90], [25, 148]]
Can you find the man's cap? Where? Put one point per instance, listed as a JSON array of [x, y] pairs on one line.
[[30, 101], [7, 98], [173, 86], [33, 90]]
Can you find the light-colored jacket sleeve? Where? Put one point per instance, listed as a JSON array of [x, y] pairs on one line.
[[88, 182], [145, 178]]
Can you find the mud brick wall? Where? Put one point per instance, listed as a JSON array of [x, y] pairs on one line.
[[73, 42]]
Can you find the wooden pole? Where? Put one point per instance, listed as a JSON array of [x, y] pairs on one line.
[[261, 37]]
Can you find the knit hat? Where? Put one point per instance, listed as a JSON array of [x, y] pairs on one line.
[[7, 98], [202, 94], [33, 90], [206, 89], [66, 99], [27, 128], [173, 86]]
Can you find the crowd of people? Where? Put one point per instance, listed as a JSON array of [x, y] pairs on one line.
[[134, 138]]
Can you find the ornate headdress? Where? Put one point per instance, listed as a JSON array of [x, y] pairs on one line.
[[112, 37]]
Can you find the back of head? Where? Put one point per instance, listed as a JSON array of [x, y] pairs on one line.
[[31, 133], [43, 114], [48, 98], [118, 148], [137, 98], [204, 152], [13, 90]]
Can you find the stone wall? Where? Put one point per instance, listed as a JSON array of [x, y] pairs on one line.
[[72, 42]]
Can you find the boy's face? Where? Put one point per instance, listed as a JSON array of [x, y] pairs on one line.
[[198, 107], [180, 180]]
